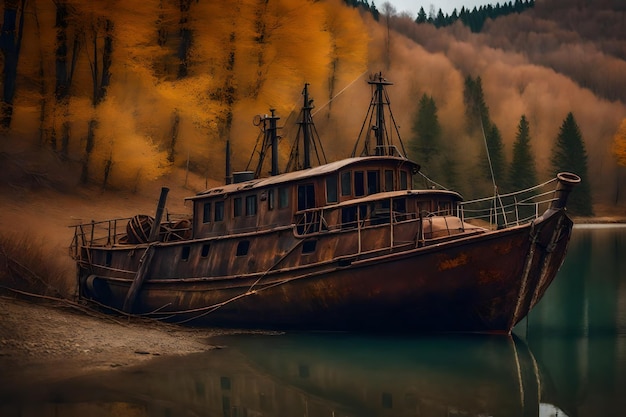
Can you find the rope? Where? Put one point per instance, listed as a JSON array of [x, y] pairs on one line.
[[339, 93], [209, 309]]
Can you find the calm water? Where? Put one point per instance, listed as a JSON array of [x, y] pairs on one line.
[[567, 359]]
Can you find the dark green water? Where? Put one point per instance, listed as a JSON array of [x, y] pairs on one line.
[[567, 359]]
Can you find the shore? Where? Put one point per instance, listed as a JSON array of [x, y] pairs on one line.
[[54, 341]]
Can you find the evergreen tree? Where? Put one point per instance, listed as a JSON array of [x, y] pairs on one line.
[[495, 148], [569, 154], [425, 145], [426, 131], [421, 16], [476, 110], [522, 173]]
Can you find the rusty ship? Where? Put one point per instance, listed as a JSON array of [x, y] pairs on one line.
[[348, 245]]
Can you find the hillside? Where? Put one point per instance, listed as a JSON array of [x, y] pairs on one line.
[[170, 89]]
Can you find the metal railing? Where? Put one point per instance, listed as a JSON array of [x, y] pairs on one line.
[[507, 210], [108, 233]]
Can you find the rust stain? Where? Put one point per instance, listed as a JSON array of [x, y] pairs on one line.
[[487, 276], [454, 262]]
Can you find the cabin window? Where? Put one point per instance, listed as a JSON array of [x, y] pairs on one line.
[[349, 215], [205, 250], [283, 197], [346, 183], [309, 246], [331, 189], [373, 182], [251, 205], [185, 253], [445, 208], [108, 258], [403, 180], [242, 248], [206, 213], [270, 199], [306, 196], [359, 183], [219, 211], [399, 205], [388, 180], [237, 206]]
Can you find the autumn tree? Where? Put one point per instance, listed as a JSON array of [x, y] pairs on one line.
[[186, 33], [101, 33], [10, 44], [522, 172], [619, 151], [66, 56], [569, 154], [619, 144]]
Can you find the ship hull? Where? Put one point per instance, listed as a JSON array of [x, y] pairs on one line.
[[478, 283]]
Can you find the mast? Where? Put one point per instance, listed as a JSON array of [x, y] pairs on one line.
[[267, 139], [306, 121], [307, 139], [273, 139], [375, 127]]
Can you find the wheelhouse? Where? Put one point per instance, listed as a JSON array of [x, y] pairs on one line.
[[259, 204]]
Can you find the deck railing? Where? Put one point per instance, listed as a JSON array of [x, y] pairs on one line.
[[108, 233], [512, 209]]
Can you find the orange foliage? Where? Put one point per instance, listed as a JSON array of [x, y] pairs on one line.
[[245, 57], [619, 144]]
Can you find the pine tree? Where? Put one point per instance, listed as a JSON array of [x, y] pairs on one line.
[[421, 16], [569, 154], [426, 130], [522, 173], [495, 148], [476, 111]]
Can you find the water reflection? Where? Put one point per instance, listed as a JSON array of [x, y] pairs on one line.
[[311, 375], [578, 331]]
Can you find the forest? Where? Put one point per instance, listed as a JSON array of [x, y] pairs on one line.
[[121, 93]]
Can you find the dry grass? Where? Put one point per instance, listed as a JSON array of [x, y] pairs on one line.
[[28, 265]]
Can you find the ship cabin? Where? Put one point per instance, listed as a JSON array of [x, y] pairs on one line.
[[356, 191]]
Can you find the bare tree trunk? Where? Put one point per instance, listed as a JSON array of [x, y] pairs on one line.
[[64, 75], [101, 82], [93, 124], [174, 136], [42, 82], [261, 40], [185, 39], [10, 43]]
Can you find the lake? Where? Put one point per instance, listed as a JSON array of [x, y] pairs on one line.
[[568, 358]]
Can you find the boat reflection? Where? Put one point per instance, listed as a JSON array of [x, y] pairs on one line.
[[310, 375]]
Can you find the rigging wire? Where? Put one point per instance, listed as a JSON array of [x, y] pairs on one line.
[[497, 199], [339, 93]]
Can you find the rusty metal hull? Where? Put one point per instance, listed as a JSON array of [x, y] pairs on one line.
[[476, 283]]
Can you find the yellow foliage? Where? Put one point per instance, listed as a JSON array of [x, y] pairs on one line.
[[134, 157], [619, 144]]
